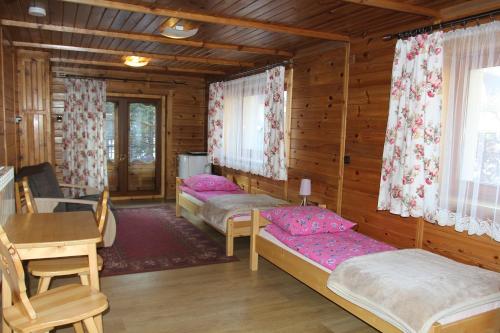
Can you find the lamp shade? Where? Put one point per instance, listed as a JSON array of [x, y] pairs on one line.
[[305, 187]]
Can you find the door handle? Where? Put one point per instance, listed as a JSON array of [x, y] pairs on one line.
[[122, 157]]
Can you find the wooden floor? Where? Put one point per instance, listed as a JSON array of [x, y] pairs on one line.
[[220, 298]]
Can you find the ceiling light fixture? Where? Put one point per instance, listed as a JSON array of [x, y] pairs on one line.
[[178, 29], [136, 61], [36, 9]]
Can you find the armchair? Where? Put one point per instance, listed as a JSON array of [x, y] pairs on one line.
[[49, 197]]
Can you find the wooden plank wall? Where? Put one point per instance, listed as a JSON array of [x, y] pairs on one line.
[[315, 129], [8, 128], [185, 96], [369, 87], [33, 86]]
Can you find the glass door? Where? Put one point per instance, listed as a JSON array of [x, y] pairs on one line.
[[133, 140]]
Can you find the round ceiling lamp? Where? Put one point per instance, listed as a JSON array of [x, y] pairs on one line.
[[178, 28], [37, 9], [136, 61]]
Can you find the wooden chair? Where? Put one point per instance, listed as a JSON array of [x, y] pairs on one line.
[[46, 269], [70, 304], [25, 203]]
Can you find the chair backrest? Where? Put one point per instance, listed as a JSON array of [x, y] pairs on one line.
[[12, 269], [101, 211], [25, 203]]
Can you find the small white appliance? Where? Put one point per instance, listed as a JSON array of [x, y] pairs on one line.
[[7, 200], [193, 163]]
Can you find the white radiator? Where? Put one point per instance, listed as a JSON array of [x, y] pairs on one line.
[[7, 199]]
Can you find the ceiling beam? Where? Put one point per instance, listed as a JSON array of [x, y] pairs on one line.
[[215, 19], [146, 38], [167, 57], [398, 6], [469, 8], [148, 67]]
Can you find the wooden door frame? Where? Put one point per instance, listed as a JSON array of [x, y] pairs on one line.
[[161, 100]]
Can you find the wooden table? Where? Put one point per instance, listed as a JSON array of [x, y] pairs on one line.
[[53, 235]]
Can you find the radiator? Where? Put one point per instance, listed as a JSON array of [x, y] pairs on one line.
[[7, 199]]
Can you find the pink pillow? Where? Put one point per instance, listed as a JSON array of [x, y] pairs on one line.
[[306, 220], [203, 183]]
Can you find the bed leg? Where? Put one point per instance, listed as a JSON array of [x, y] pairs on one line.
[[254, 256], [178, 209], [230, 238]]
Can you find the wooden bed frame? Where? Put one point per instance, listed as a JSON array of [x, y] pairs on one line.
[[316, 279], [234, 228]]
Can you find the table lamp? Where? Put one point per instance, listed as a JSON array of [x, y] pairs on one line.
[[305, 190]]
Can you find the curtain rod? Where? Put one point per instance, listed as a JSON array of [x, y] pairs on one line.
[[116, 79], [253, 71], [440, 26]]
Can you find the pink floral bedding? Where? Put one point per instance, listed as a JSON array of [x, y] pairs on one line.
[[327, 249], [307, 220], [204, 196], [204, 183]]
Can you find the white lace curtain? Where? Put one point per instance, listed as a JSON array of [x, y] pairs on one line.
[[246, 124], [84, 152], [470, 156]]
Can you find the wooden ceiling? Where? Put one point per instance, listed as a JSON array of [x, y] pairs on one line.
[[96, 33]]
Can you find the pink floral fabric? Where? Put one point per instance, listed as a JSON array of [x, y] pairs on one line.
[[215, 122], [274, 125], [329, 250], [306, 220], [205, 195], [204, 182], [409, 184], [84, 153]]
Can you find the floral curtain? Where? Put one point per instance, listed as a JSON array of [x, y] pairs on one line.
[[84, 152], [409, 184], [274, 125], [470, 157], [215, 122]]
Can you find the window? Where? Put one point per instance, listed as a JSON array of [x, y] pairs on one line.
[[247, 124], [110, 130], [482, 136]]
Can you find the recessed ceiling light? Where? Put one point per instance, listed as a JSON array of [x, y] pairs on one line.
[[135, 61], [178, 29]]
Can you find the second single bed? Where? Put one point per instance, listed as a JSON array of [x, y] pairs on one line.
[[352, 270]]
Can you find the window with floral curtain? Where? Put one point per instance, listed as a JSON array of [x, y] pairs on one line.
[[246, 124], [470, 155]]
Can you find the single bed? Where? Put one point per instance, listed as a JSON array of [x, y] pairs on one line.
[[484, 318], [192, 201]]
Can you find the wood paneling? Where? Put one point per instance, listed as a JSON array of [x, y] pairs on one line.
[[368, 105], [185, 96], [8, 128], [33, 86]]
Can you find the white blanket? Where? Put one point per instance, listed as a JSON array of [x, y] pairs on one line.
[[413, 288], [217, 210]]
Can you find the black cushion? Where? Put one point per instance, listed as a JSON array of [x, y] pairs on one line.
[[42, 180]]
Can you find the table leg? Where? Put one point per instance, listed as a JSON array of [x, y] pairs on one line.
[[94, 278], [6, 302]]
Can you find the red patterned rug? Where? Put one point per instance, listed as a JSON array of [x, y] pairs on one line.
[[153, 239]]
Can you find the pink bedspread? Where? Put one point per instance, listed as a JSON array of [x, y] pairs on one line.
[[330, 249], [204, 196]]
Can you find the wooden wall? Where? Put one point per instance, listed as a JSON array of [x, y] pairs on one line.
[[368, 104], [8, 134], [185, 110], [315, 128]]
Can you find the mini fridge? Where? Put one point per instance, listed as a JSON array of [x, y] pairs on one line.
[[193, 163]]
